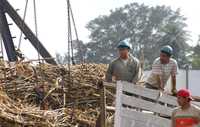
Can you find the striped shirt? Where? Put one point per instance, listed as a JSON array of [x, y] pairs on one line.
[[163, 70], [186, 118]]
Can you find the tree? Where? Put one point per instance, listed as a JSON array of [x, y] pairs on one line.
[[79, 53], [196, 55], [61, 59], [146, 28]]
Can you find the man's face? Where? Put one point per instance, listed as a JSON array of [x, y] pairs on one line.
[[182, 100], [164, 58], [123, 53]]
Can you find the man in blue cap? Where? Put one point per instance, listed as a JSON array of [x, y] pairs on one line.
[[125, 67], [162, 68]]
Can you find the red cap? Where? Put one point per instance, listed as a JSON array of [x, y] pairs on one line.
[[184, 93]]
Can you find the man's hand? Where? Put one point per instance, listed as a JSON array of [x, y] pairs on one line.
[[160, 81], [161, 87], [174, 91]]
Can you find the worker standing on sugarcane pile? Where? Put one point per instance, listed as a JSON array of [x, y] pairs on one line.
[[125, 67], [186, 115], [162, 68]]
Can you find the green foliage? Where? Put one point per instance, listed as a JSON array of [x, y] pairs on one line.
[[61, 59], [196, 62], [146, 28], [196, 56]]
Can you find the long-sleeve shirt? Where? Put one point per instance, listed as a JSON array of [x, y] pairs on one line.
[[124, 70]]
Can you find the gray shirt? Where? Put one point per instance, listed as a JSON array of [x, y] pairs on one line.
[[124, 71]]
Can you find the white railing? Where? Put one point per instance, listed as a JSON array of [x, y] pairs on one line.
[[137, 106]]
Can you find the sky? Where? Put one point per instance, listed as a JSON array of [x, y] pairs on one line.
[[52, 19]]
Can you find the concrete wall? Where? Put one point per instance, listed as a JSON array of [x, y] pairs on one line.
[[194, 81]]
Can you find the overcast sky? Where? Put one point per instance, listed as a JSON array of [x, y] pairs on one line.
[[52, 19]]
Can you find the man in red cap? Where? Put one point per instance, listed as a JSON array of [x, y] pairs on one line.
[[186, 115]]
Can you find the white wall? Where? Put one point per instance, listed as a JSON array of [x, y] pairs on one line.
[[194, 81]]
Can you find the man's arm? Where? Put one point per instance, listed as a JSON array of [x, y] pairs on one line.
[[173, 123], [173, 90], [156, 70], [173, 78], [137, 73], [109, 73], [160, 82]]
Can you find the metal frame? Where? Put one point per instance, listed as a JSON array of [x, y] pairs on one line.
[[5, 7]]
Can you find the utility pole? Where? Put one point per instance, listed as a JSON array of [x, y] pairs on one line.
[[187, 75]]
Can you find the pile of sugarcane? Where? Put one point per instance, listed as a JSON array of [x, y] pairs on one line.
[[15, 114], [53, 81], [52, 88]]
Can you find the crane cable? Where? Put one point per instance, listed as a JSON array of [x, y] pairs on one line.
[[75, 29], [70, 46], [24, 17], [21, 33], [36, 28], [69, 37], [69, 42], [70, 54], [2, 52]]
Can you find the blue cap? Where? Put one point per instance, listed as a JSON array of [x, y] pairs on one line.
[[167, 50], [124, 44]]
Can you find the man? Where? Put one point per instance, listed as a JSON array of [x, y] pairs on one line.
[[162, 68], [125, 67], [187, 115]]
